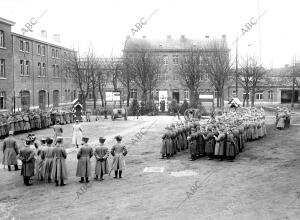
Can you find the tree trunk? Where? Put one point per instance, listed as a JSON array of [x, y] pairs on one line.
[[94, 98], [293, 93], [101, 95], [128, 96], [252, 97]]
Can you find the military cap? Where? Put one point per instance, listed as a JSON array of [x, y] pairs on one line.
[[102, 140], [118, 138], [11, 132], [85, 139]]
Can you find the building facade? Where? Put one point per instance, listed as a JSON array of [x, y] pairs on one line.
[[34, 72], [172, 51]]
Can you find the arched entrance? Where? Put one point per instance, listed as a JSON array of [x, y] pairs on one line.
[[42, 99], [55, 98], [25, 100]]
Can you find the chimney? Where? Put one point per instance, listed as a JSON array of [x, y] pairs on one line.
[[169, 37], [144, 37], [207, 36], [56, 37], [224, 37], [44, 34]]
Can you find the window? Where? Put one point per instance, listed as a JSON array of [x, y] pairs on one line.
[[201, 61], [158, 76], [133, 94], [175, 76], [44, 69], [165, 60], [39, 50], [2, 68], [21, 45], [39, 69], [175, 59], [57, 71], [165, 76], [2, 40], [27, 46], [53, 68], [56, 53], [27, 68], [22, 67], [259, 96], [2, 100], [25, 99], [186, 94], [53, 53], [270, 94], [44, 50]]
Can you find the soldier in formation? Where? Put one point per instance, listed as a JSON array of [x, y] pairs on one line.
[[221, 137]]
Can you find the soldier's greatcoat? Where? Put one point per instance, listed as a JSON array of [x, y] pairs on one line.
[[84, 164], [101, 154], [118, 151], [59, 169], [28, 161], [10, 151], [47, 156]]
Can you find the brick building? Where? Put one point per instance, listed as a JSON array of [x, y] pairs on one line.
[[172, 50], [33, 73]]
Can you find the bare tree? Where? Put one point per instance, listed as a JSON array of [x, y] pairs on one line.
[[218, 67], [102, 78], [79, 70], [245, 78], [258, 73], [191, 72], [126, 75]]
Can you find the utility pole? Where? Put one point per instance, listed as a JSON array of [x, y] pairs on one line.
[[236, 69]]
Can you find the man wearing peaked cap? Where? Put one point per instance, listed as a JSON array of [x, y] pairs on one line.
[[118, 151], [10, 151], [84, 162], [101, 154]]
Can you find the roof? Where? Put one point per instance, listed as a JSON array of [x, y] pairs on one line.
[[38, 38], [182, 43], [5, 21]]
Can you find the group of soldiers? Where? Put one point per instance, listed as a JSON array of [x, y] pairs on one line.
[[47, 160], [221, 137], [283, 118], [32, 120]]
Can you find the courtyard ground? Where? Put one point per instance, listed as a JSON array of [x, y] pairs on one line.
[[263, 182]]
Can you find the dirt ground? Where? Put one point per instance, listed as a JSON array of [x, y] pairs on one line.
[[263, 182]]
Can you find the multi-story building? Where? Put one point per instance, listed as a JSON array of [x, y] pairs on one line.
[[34, 72], [172, 50]]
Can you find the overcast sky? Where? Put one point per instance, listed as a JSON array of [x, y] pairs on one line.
[[105, 24]]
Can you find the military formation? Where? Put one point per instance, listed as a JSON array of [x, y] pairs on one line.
[[222, 137], [32, 120], [283, 118], [47, 160]]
